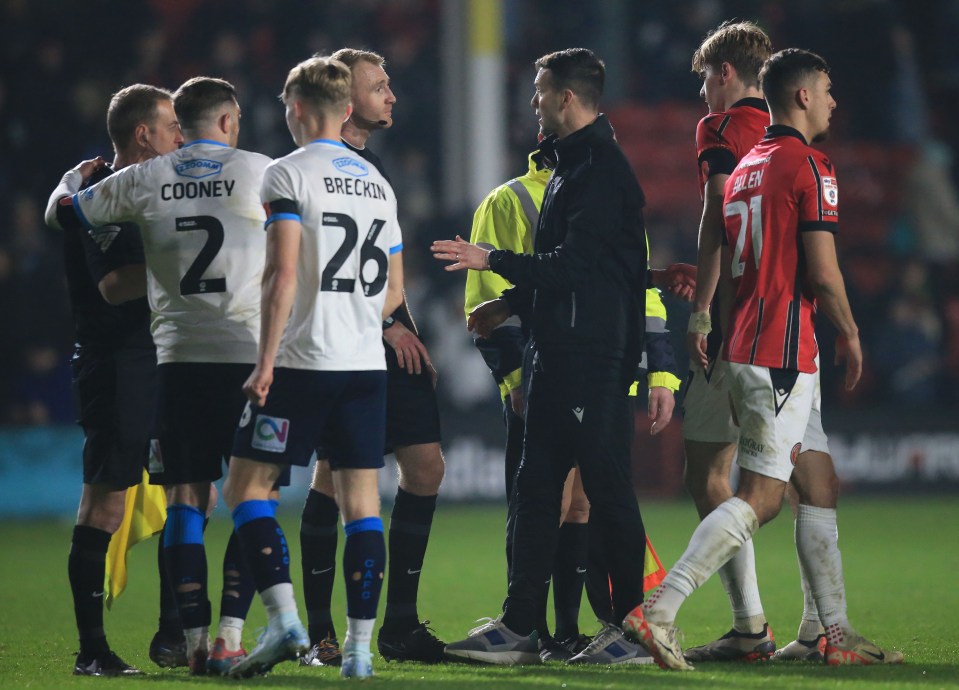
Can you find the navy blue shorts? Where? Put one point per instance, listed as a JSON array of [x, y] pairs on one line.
[[347, 409], [199, 405]]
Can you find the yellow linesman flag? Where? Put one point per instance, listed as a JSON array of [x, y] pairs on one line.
[[144, 516], [653, 570]]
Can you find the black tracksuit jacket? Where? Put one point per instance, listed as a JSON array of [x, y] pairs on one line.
[[583, 290]]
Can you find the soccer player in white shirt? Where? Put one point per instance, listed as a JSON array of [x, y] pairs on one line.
[[333, 271], [200, 216]]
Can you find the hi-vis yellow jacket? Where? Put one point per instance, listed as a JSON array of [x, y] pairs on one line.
[[506, 219]]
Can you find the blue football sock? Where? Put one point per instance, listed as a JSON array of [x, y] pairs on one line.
[[185, 558], [364, 560]]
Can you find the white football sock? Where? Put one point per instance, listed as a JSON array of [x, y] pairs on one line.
[[809, 628], [716, 539], [738, 575], [196, 638], [231, 632], [817, 541], [359, 631], [278, 600]]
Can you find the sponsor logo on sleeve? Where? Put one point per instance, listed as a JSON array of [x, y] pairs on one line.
[[270, 433], [104, 236], [830, 191], [199, 168], [351, 166]]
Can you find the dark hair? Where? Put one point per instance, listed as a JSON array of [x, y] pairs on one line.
[[576, 69], [195, 100], [787, 70], [130, 107], [742, 44]]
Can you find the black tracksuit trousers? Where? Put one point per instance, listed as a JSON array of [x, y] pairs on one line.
[[578, 412]]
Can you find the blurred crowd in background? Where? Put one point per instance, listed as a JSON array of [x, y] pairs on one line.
[[896, 80]]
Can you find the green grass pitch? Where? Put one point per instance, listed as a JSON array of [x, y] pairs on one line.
[[901, 558]]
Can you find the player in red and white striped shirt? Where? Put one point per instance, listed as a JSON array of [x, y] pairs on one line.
[[780, 214]]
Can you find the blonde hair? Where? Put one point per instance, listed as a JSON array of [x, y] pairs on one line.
[[742, 44], [350, 56], [321, 82]]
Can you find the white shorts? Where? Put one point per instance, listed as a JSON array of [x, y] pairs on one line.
[[775, 409], [707, 416]]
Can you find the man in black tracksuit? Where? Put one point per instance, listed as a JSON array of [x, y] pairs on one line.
[[583, 292]]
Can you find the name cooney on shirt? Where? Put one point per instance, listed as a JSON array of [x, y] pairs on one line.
[[196, 190]]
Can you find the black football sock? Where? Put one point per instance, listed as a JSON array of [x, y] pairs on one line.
[[410, 524], [169, 624], [319, 529], [186, 564], [264, 544], [238, 585], [86, 566], [364, 560], [569, 572]]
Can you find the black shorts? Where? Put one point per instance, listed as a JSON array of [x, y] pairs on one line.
[[412, 410], [199, 405], [346, 408], [115, 394]]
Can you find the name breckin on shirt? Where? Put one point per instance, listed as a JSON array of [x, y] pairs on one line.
[[346, 185], [197, 190]]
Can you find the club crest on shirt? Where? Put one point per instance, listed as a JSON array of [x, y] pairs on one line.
[[199, 168], [830, 191], [351, 166]]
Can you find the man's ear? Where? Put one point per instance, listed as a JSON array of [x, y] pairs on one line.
[[726, 72], [223, 122], [568, 96], [141, 135], [802, 98]]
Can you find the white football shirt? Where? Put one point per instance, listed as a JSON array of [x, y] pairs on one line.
[[347, 210], [200, 215]]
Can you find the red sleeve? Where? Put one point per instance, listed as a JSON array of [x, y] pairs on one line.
[[818, 194], [713, 149]]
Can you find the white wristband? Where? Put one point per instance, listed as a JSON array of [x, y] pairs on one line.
[[699, 322]]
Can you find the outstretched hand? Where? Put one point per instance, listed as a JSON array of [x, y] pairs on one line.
[[462, 253]]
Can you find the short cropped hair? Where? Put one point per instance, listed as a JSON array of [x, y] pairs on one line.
[[130, 107], [319, 81], [198, 98], [785, 72], [576, 69], [742, 44], [350, 56]]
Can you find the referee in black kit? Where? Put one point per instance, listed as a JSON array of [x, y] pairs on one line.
[[583, 291]]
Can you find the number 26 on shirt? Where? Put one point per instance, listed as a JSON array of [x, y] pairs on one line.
[[750, 217]]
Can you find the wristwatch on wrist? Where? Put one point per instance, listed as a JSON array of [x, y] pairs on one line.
[[388, 321]]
